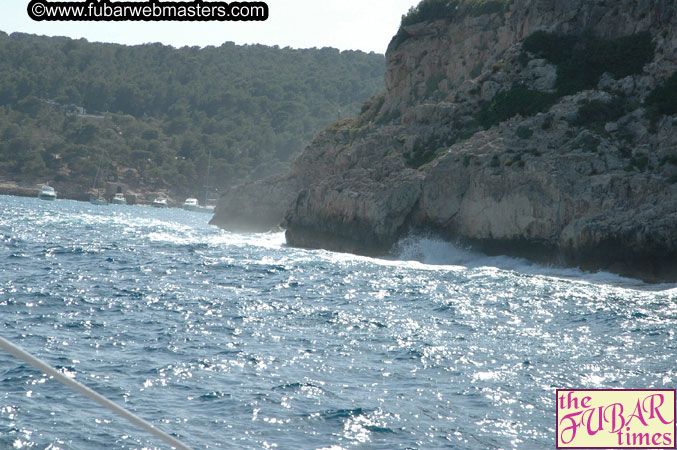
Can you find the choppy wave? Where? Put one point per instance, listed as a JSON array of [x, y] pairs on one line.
[[239, 341], [430, 250]]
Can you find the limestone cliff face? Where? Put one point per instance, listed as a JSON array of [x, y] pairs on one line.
[[550, 186], [469, 48]]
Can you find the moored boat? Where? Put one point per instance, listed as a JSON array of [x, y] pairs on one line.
[[159, 203], [95, 199], [47, 193], [119, 199], [192, 204]]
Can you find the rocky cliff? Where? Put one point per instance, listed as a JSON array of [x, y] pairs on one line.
[[543, 128]]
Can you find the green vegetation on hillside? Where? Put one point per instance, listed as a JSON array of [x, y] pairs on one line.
[[156, 112]]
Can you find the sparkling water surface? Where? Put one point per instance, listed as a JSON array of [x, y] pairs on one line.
[[239, 341]]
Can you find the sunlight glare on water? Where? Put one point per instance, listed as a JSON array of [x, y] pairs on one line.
[[239, 341]]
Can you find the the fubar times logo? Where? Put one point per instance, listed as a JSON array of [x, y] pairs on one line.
[[621, 418]]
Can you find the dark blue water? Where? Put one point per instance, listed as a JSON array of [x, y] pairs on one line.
[[238, 341]]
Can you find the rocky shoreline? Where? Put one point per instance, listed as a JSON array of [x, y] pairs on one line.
[[16, 189], [589, 179]]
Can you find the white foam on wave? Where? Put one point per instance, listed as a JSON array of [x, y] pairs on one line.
[[273, 239], [170, 226], [433, 251], [185, 235]]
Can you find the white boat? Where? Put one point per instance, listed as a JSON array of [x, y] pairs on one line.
[[160, 203], [192, 204], [119, 199], [47, 193]]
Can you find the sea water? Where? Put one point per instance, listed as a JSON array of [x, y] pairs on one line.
[[239, 341]]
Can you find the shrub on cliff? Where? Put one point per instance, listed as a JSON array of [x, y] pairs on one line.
[[592, 113], [370, 110], [518, 100], [553, 47], [581, 61], [663, 99], [424, 151], [431, 10]]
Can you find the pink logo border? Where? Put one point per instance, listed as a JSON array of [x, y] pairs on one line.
[[674, 447]]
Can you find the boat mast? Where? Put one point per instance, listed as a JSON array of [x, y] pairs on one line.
[[98, 169], [209, 166]]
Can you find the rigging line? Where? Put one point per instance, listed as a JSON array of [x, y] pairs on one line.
[[93, 395]]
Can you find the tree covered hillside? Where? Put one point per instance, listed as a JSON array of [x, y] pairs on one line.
[[155, 112]]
